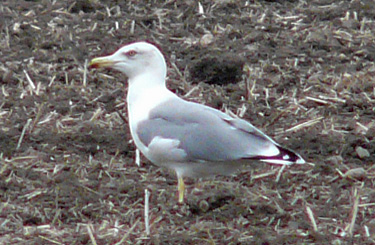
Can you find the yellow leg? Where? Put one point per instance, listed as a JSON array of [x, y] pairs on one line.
[[181, 189]]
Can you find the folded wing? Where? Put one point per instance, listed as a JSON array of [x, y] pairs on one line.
[[181, 131]]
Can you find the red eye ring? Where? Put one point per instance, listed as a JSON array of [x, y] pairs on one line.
[[131, 53]]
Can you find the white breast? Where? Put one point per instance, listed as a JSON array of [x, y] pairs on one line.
[[140, 103]]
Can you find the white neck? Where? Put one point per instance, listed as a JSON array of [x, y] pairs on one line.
[[144, 95]]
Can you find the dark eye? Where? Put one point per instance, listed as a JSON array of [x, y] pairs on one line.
[[131, 53]]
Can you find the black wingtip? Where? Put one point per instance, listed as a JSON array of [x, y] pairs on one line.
[[285, 156]]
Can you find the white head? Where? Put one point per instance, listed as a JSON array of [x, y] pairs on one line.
[[134, 60]]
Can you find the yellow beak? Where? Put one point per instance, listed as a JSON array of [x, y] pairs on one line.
[[101, 62]]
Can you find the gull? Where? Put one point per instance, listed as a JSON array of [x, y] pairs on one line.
[[192, 139]]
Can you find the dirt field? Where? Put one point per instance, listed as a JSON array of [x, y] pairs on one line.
[[302, 71]]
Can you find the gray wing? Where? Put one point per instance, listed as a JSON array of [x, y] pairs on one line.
[[203, 133]]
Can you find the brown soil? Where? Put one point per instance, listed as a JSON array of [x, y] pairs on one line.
[[304, 70]]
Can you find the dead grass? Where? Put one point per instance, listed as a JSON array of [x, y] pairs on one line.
[[67, 161]]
